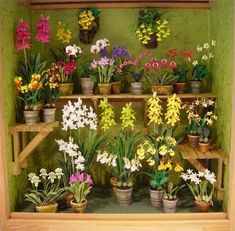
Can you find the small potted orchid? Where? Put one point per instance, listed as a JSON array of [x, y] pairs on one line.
[[201, 65], [46, 190], [80, 186], [121, 157], [200, 118], [136, 74], [201, 185], [160, 75]]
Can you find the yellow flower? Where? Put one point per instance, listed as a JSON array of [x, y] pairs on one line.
[[127, 116], [154, 112], [163, 150], [168, 165], [171, 152], [161, 166], [151, 162], [141, 152], [63, 35], [178, 168], [170, 141]]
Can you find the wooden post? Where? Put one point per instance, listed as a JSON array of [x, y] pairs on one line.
[[16, 151], [24, 164]]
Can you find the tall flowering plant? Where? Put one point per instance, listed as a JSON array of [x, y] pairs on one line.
[[46, 188]]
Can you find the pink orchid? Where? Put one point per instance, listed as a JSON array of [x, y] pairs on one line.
[[89, 180], [172, 65], [23, 35], [163, 63], [155, 66], [72, 179], [147, 66], [43, 30]]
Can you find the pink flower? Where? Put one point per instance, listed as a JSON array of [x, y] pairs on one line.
[[72, 179], [163, 63], [172, 65], [23, 36], [89, 180], [43, 30], [69, 67], [119, 70], [153, 60], [121, 66], [155, 66], [147, 66]]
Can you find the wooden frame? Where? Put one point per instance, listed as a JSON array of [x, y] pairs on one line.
[[114, 222]]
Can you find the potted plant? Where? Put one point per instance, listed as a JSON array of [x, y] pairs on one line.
[[131, 66], [80, 186], [201, 66], [46, 190], [87, 80], [204, 139], [160, 75], [170, 197], [29, 94], [201, 185], [151, 29], [180, 72], [88, 21], [121, 156], [200, 115]]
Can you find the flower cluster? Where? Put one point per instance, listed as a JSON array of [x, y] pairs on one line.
[[120, 52], [51, 176], [107, 115], [143, 33], [162, 30], [161, 65], [132, 165], [172, 53], [127, 117], [102, 62], [86, 20], [106, 158], [23, 36], [62, 34], [100, 45], [143, 149], [43, 30], [75, 116], [72, 50], [81, 178], [52, 76]]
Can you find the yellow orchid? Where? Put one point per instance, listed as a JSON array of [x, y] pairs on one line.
[[163, 150], [178, 168], [62, 34], [127, 116]]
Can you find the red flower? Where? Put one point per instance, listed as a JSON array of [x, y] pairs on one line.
[[23, 36], [147, 66], [69, 67], [188, 54], [172, 65], [172, 53], [153, 60], [163, 63], [43, 30], [155, 66]]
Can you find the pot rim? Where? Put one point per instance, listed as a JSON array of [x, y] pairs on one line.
[[75, 203], [155, 190], [170, 200], [204, 143], [193, 135], [51, 204]]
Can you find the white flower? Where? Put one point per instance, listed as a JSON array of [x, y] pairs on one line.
[[185, 176], [204, 57], [95, 49], [71, 50], [102, 43], [199, 49], [211, 55], [195, 63], [201, 174], [127, 163], [79, 166], [51, 176], [35, 180], [43, 174], [213, 43], [209, 176], [59, 173], [189, 171], [210, 102], [79, 49], [31, 175], [206, 46]]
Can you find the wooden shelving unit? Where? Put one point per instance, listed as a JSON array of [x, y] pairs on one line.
[[21, 148], [200, 161]]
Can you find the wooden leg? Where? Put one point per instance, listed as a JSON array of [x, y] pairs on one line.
[[219, 180], [24, 164], [16, 151], [145, 129]]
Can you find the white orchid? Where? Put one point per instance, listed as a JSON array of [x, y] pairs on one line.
[[43, 174], [51, 176], [206, 46], [204, 57], [31, 175], [59, 173], [72, 50], [210, 55], [35, 180], [213, 42], [195, 63], [199, 49], [95, 49]]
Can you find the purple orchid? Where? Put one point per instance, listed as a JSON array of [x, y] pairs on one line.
[[120, 51], [103, 53], [80, 177]]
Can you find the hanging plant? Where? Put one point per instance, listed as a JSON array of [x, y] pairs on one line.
[[88, 22], [151, 29]]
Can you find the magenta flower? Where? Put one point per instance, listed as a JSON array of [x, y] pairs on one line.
[[23, 35], [69, 67], [72, 179], [89, 180], [173, 65], [43, 30], [163, 63]]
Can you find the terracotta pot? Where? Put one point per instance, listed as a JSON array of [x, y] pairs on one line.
[[49, 115], [137, 88], [202, 206], [31, 117], [78, 207], [87, 86], [193, 140], [179, 88], [105, 88], [204, 147], [156, 197], [66, 88], [162, 90], [52, 208], [195, 87], [116, 87], [68, 197], [124, 196], [169, 206]]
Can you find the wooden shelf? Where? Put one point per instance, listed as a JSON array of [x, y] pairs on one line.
[[21, 148], [200, 161]]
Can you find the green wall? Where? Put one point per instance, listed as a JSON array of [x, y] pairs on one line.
[[222, 31], [189, 27]]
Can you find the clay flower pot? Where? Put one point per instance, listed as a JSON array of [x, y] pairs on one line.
[[156, 197], [31, 117], [204, 147], [203, 206], [52, 208], [78, 207], [49, 115], [179, 88], [162, 90], [116, 87], [195, 87], [124, 196], [137, 88], [87, 86], [105, 88], [66, 88], [193, 140], [169, 206]]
